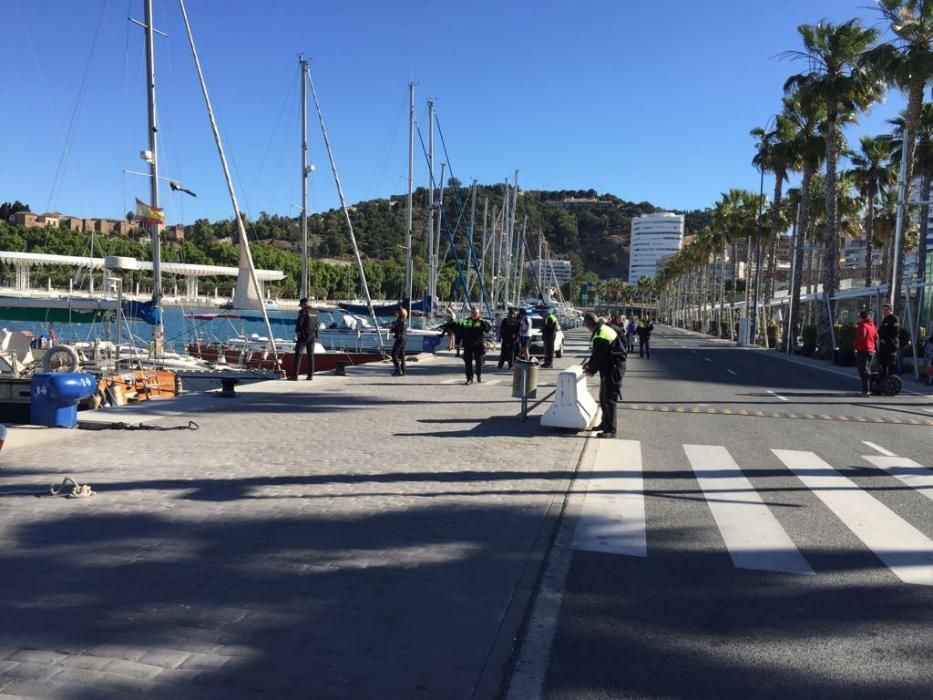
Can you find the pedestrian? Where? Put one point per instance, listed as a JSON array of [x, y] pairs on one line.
[[524, 334], [548, 335], [305, 337], [399, 330], [866, 339], [451, 334], [474, 330], [630, 329], [508, 339], [928, 356], [888, 338], [645, 327], [607, 357]]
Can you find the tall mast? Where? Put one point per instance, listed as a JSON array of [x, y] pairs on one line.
[[158, 332], [518, 242], [506, 296], [440, 223], [303, 287], [411, 161], [470, 256], [432, 258]]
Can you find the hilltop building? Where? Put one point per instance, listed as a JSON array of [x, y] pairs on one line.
[[655, 238]]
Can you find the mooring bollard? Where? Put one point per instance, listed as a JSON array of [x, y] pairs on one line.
[[341, 369], [228, 387]]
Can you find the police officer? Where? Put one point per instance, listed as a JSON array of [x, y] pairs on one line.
[[548, 334], [888, 334], [306, 335], [399, 330], [608, 358], [473, 330], [508, 338], [645, 327]]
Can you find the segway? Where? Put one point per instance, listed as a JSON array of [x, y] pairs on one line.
[[888, 385]]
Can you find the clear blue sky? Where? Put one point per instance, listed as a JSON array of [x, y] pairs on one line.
[[647, 101]]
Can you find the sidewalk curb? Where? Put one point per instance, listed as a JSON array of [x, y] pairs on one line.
[[524, 679]]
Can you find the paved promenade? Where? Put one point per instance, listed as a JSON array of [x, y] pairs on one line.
[[360, 537]]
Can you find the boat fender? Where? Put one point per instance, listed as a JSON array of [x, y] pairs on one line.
[[65, 356]]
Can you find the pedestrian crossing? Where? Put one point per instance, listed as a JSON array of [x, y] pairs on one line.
[[612, 517]]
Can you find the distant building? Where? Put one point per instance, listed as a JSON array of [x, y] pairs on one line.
[[654, 238], [547, 271]]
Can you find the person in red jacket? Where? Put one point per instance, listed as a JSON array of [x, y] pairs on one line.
[[866, 340]]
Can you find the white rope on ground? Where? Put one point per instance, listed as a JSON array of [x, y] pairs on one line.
[[77, 490]]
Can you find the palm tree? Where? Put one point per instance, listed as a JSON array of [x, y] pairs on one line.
[[839, 78], [807, 117], [872, 175], [907, 63]]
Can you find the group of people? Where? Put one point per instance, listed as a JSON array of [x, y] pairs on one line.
[[882, 343], [632, 329]]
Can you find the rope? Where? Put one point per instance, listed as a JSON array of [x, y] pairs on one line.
[[191, 425], [77, 490]]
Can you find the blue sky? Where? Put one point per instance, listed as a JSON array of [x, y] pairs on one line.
[[647, 101]]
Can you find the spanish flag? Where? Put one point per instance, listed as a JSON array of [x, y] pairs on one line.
[[146, 214]]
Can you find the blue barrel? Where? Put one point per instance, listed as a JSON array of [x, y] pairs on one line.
[[55, 397]]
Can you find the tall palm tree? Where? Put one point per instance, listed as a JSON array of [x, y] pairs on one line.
[[872, 175], [906, 62], [838, 77]]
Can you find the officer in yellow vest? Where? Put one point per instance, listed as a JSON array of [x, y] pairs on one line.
[[474, 330], [608, 358], [548, 334]]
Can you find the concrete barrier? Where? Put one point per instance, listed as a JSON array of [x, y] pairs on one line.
[[573, 407]]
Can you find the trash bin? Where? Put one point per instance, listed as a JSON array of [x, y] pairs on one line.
[[55, 397], [525, 376]]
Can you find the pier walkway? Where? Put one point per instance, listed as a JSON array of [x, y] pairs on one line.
[[364, 536]]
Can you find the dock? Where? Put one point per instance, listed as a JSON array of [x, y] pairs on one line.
[[366, 536]]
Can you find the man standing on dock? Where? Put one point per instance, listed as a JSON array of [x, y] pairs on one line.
[[508, 337], [306, 335], [399, 331], [474, 331], [608, 359]]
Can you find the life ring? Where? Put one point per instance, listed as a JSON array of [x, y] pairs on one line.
[[60, 358]]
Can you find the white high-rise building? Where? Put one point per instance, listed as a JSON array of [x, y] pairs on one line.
[[654, 238]]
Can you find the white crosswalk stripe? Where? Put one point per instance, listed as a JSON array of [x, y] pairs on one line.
[[754, 537], [612, 517], [906, 470], [905, 550]]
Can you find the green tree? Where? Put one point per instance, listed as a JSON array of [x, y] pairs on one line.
[[872, 175]]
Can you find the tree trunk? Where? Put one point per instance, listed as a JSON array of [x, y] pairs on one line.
[[803, 215], [830, 266], [922, 258], [772, 235], [914, 105], [869, 234]]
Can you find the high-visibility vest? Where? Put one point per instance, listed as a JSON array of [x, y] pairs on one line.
[[604, 332]]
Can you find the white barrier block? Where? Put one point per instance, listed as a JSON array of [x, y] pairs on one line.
[[573, 406]]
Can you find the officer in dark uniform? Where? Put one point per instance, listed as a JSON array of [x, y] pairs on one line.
[[399, 330], [508, 339], [548, 334], [473, 331], [888, 335], [608, 358], [306, 335]]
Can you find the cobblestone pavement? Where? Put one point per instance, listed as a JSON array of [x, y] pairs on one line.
[[360, 537]]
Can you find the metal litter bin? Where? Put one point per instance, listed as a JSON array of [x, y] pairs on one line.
[[525, 379]]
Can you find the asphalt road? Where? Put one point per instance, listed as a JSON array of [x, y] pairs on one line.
[[759, 530]]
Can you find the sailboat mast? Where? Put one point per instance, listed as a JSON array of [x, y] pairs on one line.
[[507, 231], [470, 256], [411, 162], [303, 286], [432, 258], [158, 331]]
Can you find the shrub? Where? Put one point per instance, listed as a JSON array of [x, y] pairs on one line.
[[808, 335]]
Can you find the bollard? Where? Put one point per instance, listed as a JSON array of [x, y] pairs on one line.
[[228, 387], [55, 398], [341, 369], [573, 407]]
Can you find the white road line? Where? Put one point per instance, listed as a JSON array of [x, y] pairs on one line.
[[707, 359], [777, 396], [732, 373], [879, 449], [906, 551], [907, 470], [614, 522], [754, 537]]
